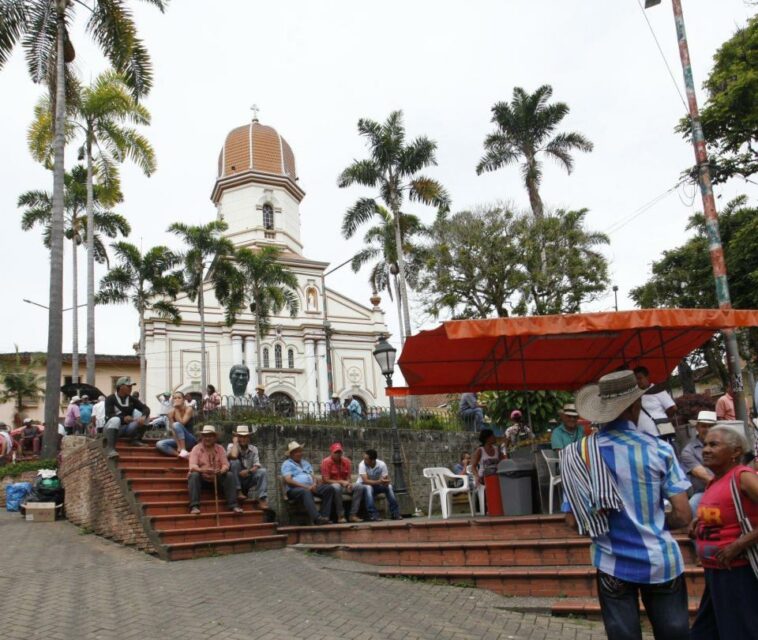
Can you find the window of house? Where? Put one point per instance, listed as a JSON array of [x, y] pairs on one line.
[[265, 358], [278, 356], [268, 217], [291, 358]]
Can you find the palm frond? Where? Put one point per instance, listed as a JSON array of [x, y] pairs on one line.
[[357, 215]]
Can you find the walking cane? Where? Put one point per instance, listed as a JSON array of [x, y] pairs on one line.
[[215, 495]]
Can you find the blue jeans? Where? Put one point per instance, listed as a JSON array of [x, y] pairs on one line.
[[665, 605], [474, 417], [373, 490], [169, 446]]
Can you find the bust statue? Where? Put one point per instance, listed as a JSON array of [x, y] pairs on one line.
[[239, 376]]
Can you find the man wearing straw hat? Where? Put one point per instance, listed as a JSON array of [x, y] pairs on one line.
[[615, 483], [302, 485], [245, 463], [209, 469], [692, 458], [568, 431]]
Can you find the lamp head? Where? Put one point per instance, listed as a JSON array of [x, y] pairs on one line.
[[384, 354]]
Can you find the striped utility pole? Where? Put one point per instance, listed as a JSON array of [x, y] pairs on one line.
[[711, 215]]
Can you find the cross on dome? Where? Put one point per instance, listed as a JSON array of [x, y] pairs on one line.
[[255, 109]]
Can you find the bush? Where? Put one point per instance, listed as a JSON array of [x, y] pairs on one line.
[[11, 470], [690, 404]]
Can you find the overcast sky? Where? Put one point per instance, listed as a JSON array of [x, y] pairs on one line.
[[315, 68]]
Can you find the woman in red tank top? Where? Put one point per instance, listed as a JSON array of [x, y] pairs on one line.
[[728, 608]]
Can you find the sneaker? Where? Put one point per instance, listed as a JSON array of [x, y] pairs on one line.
[[195, 511], [397, 516], [184, 453], [342, 521], [321, 520], [263, 504], [355, 519]]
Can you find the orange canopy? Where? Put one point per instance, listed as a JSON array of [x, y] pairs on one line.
[[556, 352]]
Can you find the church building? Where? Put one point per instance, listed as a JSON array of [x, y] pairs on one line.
[[257, 194]]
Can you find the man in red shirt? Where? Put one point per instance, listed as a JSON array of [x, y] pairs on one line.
[[336, 470]]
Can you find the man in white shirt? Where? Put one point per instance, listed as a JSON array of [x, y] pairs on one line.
[[164, 401], [658, 407], [98, 414], [374, 475]]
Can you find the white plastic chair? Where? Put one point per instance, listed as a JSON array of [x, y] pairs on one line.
[[552, 460], [439, 477]]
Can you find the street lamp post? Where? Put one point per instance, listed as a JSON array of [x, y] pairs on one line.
[[709, 209], [616, 297], [384, 354]]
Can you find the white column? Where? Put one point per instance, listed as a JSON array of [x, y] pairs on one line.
[[237, 350], [250, 358], [323, 386], [310, 371]]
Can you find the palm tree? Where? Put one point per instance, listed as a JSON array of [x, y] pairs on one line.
[[525, 129], [392, 167], [20, 380], [380, 248], [264, 284], [208, 258], [39, 211], [43, 28], [148, 282], [99, 112]]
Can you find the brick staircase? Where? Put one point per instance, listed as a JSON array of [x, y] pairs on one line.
[[536, 560], [157, 486]]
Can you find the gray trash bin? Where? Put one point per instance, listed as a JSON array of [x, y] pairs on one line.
[[516, 486]]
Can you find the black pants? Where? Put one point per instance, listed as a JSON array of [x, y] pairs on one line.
[[225, 483], [729, 607], [325, 491], [665, 605]]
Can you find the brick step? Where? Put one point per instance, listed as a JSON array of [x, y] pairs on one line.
[[432, 530], [588, 607], [204, 549], [553, 581], [155, 481], [479, 553], [144, 453], [165, 473], [148, 462], [223, 532], [207, 517], [156, 493], [172, 507]]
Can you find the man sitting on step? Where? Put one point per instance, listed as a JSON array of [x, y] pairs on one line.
[[246, 467], [209, 469], [374, 475], [125, 415], [302, 486], [336, 470]]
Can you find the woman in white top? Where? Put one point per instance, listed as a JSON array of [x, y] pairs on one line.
[[486, 456]]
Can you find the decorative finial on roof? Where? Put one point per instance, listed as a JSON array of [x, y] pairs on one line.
[[255, 109]]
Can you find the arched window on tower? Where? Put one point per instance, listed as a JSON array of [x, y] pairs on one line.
[[278, 356], [265, 358], [291, 358], [268, 217]]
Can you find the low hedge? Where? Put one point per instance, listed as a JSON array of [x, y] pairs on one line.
[[10, 470]]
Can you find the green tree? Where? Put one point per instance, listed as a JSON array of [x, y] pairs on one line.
[[380, 249], [473, 264], [207, 258], [148, 282], [730, 114], [525, 129], [393, 168], [561, 262], [39, 212], [683, 277], [539, 406], [102, 114], [266, 286], [20, 381], [43, 29]]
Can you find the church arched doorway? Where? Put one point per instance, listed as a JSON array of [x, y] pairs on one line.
[[283, 404]]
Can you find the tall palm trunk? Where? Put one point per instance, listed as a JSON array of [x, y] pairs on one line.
[[201, 310], [90, 266], [399, 310], [142, 358], [55, 312], [75, 312], [403, 292], [532, 188], [258, 361]]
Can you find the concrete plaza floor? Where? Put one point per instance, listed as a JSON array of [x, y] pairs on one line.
[[59, 583]]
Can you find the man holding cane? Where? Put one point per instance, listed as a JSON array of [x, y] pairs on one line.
[[209, 468]]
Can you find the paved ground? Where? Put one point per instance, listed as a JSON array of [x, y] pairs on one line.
[[60, 584]]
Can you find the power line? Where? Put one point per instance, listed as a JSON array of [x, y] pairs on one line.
[[663, 56], [622, 222]]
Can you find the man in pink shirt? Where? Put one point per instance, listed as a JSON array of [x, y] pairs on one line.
[[209, 468], [71, 422], [725, 406], [336, 470]]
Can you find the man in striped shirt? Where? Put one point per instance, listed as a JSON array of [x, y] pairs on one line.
[[635, 555]]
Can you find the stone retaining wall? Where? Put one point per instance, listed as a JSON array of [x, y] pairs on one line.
[[94, 497]]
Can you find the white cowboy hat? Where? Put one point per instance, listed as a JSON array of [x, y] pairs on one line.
[[707, 417], [242, 430], [75, 399], [570, 410], [292, 446], [208, 429], [260, 387], [607, 400]]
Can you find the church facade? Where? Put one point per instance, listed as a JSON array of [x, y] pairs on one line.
[[326, 349]]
